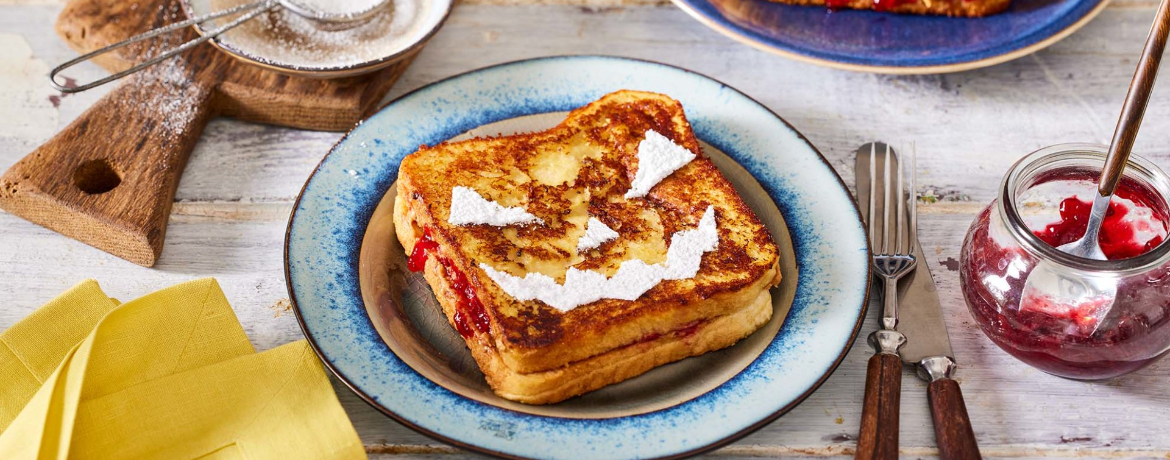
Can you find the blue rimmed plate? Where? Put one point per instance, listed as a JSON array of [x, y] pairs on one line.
[[893, 43], [378, 334]]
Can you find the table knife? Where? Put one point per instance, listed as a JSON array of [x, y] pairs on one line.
[[928, 345]]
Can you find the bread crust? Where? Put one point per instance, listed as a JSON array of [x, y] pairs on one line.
[[622, 363]]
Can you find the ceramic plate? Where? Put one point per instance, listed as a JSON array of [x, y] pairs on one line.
[[378, 327], [893, 43]]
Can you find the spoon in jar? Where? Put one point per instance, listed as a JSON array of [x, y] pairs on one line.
[[1124, 135], [1051, 287], [332, 13]]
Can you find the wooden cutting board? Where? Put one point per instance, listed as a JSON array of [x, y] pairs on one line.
[[109, 178]]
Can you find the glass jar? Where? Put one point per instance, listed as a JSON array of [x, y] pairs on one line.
[[1126, 326]]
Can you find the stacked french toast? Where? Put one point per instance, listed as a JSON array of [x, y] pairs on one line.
[[589, 253]]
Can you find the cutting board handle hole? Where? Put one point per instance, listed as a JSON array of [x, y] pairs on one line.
[[96, 177]]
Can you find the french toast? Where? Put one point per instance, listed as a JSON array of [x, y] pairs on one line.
[[553, 185]]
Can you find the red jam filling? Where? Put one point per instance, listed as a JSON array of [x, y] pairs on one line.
[[887, 5], [878, 5], [689, 329], [684, 331], [470, 315], [418, 256], [468, 309]]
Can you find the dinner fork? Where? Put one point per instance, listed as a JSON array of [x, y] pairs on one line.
[[892, 235]]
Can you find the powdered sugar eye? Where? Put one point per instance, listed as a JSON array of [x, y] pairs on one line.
[[658, 158], [596, 234], [468, 207]]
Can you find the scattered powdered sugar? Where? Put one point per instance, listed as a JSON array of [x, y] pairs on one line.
[[658, 157], [166, 93], [596, 233], [470, 208], [632, 279], [282, 37]]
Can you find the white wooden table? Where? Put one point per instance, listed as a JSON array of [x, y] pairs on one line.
[[233, 203]]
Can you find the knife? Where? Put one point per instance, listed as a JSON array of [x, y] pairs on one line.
[[928, 346]]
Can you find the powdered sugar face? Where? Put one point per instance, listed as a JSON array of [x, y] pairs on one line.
[[470, 208], [631, 280], [284, 38], [596, 233], [658, 157]]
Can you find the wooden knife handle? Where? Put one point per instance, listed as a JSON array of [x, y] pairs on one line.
[[878, 439], [952, 427]]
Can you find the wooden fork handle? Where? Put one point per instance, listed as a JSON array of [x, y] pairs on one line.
[[952, 427], [878, 439]]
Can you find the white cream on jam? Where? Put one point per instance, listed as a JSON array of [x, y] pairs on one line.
[[658, 158], [470, 208], [632, 279]]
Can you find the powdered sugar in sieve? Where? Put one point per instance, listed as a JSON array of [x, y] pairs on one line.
[[285, 39]]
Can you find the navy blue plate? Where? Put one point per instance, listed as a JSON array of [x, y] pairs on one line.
[[894, 43], [331, 215]]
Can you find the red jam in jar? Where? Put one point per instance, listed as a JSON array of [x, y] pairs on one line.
[[1100, 337], [1121, 235]]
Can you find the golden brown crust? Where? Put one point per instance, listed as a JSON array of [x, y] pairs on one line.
[[613, 366], [957, 8], [602, 139], [630, 361]]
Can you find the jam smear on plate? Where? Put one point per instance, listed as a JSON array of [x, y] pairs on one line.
[[469, 310]]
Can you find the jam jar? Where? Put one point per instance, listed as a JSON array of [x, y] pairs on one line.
[[1043, 202]]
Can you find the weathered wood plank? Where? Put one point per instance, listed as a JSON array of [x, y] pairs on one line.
[[977, 122]]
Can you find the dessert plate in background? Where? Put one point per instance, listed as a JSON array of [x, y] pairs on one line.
[[377, 327], [894, 43]]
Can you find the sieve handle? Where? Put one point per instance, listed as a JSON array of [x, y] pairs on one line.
[[256, 7]]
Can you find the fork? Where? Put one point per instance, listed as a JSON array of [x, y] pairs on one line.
[[892, 245]]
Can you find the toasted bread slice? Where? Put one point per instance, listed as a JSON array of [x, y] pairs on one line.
[[580, 169], [957, 8]]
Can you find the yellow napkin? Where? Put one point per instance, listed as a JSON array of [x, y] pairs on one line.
[[170, 375]]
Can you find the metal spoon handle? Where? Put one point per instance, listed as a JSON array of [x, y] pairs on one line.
[[258, 7], [1135, 102]]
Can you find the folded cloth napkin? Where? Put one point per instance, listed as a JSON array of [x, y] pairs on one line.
[[170, 375]]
